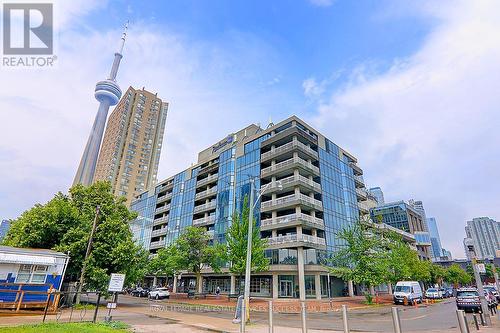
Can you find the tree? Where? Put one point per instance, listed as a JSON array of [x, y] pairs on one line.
[[362, 258], [438, 273], [166, 262], [457, 275], [64, 224], [195, 251], [237, 242], [401, 259]]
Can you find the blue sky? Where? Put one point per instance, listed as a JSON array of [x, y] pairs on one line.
[[408, 87]]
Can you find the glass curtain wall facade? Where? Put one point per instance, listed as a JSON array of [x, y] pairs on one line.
[[300, 219]]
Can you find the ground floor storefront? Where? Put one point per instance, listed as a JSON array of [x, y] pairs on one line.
[[267, 285]]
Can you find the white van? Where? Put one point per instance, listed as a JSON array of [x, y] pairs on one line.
[[409, 289]]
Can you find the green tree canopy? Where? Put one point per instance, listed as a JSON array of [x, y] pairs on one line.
[[166, 262], [237, 242], [457, 275], [194, 250], [64, 224], [362, 258]]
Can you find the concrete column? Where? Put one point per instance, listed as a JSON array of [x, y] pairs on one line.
[[301, 277], [174, 287], [233, 284], [350, 288], [297, 210], [274, 233], [299, 231], [317, 285], [275, 285], [314, 232]]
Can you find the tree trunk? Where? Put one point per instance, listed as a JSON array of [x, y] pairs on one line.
[[239, 284]]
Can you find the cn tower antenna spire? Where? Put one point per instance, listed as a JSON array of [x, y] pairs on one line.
[[108, 93]]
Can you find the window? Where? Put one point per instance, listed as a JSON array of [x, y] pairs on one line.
[[32, 274]]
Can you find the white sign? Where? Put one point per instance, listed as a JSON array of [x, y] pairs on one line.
[[481, 268], [111, 306], [116, 282]]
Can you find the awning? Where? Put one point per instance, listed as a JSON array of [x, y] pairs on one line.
[[10, 258]]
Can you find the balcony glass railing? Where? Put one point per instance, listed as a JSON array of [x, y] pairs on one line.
[[157, 244], [210, 191], [204, 220], [207, 180], [291, 218], [291, 198], [287, 163], [287, 147], [205, 206]]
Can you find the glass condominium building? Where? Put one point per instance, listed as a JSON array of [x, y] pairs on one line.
[[321, 185]]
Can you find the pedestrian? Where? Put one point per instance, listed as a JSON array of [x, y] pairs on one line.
[[217, 291]]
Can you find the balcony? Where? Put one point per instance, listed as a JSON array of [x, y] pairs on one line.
[[161, 220], [292, 220], [157, 244], [206, 206], [206, 193], [288, 147], [162, 209], [357, 170], [292, 181], [290, 164], [159, 232], [361, 194], [296, 241], [365, 206], [204, 221], [359, 181], [207, 180], [164, 197], [291, 200]]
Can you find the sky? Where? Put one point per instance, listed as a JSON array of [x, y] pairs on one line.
[[411, 88]]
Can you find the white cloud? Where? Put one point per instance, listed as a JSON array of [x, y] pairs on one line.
[[428, 127], [50, 112]]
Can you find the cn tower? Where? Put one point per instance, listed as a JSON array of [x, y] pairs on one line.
[[108, 93]]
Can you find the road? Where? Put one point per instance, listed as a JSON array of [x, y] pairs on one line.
[[441, 316]]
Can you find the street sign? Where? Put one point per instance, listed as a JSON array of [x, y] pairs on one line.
[[111, 305], [481, 268], [116, 282]]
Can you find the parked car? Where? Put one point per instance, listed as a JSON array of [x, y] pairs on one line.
[[444, 293], [410, 290], [494, 291], [140, 292], [468, 300], [158, 293], [433, 293]]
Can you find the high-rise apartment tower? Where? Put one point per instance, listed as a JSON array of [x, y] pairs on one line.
[[132, 143]]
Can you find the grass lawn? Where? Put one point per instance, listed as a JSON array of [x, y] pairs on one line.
[[113, 327]]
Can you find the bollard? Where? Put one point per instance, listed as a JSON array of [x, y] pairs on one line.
[[461, 322], [242, 322], [395, 320], [303, 311], [271, 328], [482, 319], [344, 318], [476, 323]]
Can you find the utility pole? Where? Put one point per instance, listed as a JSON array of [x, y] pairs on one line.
[[479, 285], [87, 254]]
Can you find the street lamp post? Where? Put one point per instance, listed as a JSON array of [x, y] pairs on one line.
[[245, 310]]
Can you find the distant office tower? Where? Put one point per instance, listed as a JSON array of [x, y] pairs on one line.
[[4, 228], [108, 93], [404, 217], [484, 234], [437, 251], [131, 148], [447, 254], [378, 194]]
